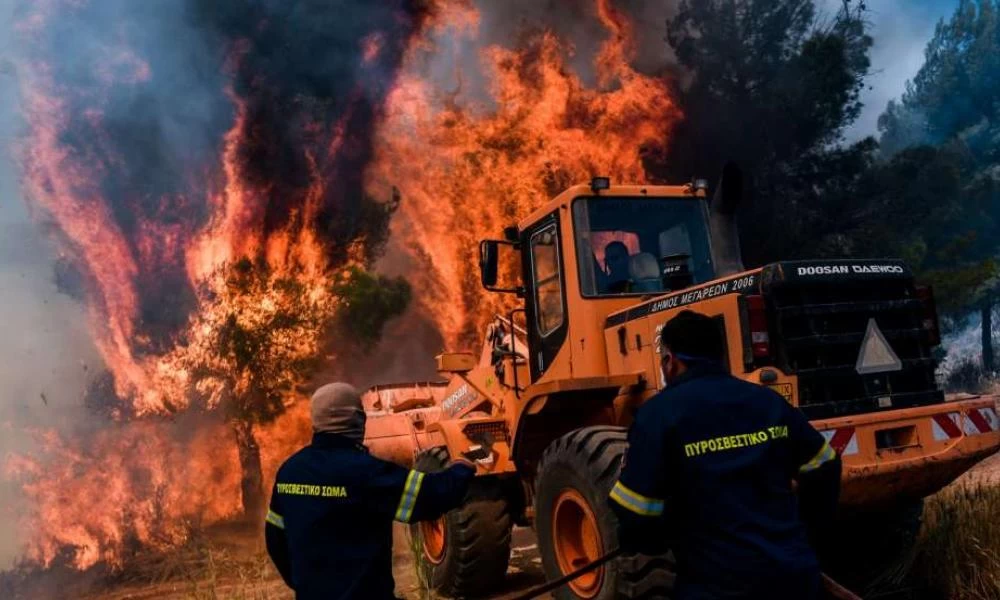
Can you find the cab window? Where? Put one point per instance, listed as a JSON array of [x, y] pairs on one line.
[[547, 281], [641, 245]]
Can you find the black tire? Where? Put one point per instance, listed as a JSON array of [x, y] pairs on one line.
[[868, 548], [587, 461], [476, 537]]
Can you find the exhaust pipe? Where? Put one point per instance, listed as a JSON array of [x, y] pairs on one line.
[[722, 224]]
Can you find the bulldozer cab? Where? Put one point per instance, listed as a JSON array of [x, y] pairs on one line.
[[594, 250]]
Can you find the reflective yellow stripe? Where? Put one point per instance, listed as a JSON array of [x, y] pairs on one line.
[[636, 502], [825, 454], [409, 498], [275, 519]]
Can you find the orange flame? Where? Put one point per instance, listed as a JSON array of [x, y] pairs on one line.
[[141, 482], [465, 172], [464, 169], [124, 490]]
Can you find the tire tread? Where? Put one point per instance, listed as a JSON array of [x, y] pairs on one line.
[[482, 533], [597, 451]]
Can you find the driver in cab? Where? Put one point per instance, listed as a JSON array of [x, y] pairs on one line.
[[616, 269], [626, 273]]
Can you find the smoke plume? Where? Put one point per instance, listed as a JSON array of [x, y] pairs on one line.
[[164, 142]]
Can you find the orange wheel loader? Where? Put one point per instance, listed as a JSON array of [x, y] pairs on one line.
[[546, 404]]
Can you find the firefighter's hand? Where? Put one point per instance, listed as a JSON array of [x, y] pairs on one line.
[[463, 461]]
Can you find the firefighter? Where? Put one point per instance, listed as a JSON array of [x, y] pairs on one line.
[[329, 527], [709, 473]]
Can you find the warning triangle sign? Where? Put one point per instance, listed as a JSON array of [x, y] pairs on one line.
[[876, 355]]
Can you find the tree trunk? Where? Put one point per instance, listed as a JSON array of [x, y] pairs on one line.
[[987, 337], [251, 476]]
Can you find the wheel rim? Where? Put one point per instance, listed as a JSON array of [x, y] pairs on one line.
[[432, 534], [577, 541]]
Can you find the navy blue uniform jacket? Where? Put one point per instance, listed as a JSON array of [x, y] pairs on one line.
[[329, 527], [709, 471]]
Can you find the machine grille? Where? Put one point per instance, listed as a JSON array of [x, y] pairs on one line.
[[497, 430], [817, 332]]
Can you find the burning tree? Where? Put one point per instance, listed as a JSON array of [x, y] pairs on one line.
[[201, 169], [263, 333], [259, 339], [205, 168]]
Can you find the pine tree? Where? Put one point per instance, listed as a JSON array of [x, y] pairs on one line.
[[772, 87], [953, 104]]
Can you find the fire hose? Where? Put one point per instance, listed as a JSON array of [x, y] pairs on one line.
[[834, 590], [551, 585]]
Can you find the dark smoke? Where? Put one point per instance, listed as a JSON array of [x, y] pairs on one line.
[[146, 139], [455, 61], [301, 70], [577, 22], [152, 88]]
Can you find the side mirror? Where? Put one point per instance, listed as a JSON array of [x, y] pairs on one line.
[[489, 266], [489, 250]]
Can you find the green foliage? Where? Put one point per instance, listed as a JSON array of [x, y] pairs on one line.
[[258, 338], [918, 206], [956, 91], [265, 333], [367, 301], [262, 333], [960, 286], [804, 223], [771, 88], [901, 127], [769, 81], [947, 193]]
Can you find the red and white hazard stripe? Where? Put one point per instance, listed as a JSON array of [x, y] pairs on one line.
[[947, 426], [975, 421], [843, 440], [981, 420]]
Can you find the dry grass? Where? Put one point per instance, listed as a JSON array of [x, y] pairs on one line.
[[226, 563], [959, 552], [226, 566], [424, 589], [957, 556], [222, 575]]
